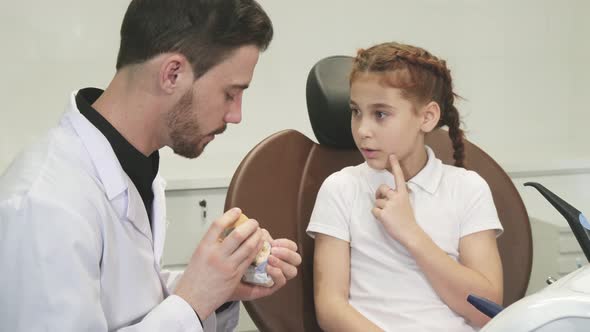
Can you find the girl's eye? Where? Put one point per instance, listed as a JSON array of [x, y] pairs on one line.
[[229, 97], [354, 111], [380, 115]]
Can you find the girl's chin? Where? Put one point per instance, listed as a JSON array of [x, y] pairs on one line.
[[375, 164]]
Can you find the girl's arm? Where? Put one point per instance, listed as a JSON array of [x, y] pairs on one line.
[[331, 279], [479, 270]]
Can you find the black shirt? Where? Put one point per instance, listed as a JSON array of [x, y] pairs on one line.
[[141, 170]]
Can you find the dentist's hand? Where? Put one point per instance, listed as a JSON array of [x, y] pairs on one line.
[[282, 266], [216, 266]]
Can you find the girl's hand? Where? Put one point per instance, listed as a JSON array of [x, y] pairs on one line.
[[393, 208]]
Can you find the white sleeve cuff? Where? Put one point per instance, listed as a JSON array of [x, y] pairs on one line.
[[178, 310], [315, 228]]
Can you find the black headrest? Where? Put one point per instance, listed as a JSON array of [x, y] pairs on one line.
[[328, 95]]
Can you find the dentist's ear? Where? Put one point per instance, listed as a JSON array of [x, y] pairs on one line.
[[174, 69], [430, 116]]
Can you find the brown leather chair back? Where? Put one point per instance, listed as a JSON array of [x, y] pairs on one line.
[[278, 181]]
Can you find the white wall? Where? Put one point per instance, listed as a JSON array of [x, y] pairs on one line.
[[521, 65]]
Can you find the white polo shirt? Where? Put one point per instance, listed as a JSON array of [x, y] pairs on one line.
[[386, 285]]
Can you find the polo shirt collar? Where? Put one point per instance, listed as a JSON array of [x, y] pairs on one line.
[[430, 176]]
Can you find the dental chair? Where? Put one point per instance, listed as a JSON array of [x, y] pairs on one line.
[[277, 183]]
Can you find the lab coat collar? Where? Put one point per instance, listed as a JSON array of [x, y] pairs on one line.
[[110, 172], [100, 151], [159, 216]]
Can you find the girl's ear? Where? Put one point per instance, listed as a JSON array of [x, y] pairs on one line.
[[430, 116]]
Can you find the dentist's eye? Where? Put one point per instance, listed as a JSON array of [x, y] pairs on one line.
[[229, 97], [355, 111]]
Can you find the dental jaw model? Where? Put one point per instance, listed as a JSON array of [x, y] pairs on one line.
[[256, 272]]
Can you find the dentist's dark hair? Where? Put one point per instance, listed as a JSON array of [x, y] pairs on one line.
[[206, 32], [422, 77]]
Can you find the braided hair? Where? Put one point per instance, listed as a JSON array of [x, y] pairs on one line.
[[422, 77]]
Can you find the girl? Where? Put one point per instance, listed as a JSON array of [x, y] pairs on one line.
[[396, 255]]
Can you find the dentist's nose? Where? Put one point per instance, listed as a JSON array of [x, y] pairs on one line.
[[234, 115]]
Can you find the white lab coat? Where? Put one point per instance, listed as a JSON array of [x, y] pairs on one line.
[[76, 249]]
